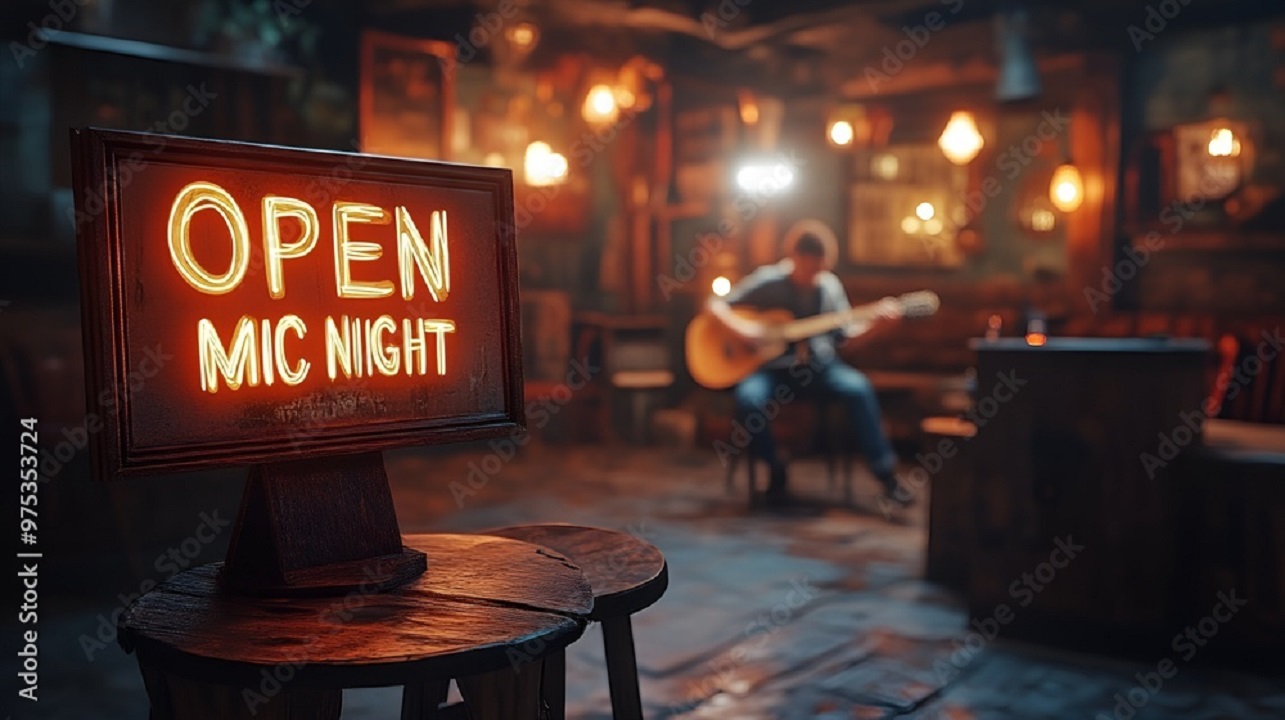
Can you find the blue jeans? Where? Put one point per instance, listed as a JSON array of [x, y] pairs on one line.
[[759, 399]]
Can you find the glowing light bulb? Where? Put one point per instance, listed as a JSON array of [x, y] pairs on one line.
[[544, 167], [600, 105], [961, 140], [1223, 143], [886, 166], [841, 133], [721, 286], [925, 211], [1066, 189], [523, 35], [1042, 220]]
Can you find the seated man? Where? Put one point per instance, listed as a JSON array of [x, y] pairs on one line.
[[803, 284]]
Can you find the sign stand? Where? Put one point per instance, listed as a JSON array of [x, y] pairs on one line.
[[318, 526]]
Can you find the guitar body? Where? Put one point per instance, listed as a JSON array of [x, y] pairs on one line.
[[718, 359]]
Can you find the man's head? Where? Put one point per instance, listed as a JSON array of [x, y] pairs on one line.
[[812, 254]]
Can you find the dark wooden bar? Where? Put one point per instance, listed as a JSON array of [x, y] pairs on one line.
[[1060, 464]]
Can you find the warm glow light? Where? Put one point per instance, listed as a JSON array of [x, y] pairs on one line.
[[768, 179], [190, 200], [523, 35], [624, 97], [925, 211], [348, 251], [910, 225], [961, 140], [600, 105], [432, 260], [274, 251], [357, 347], [238, 365], [1042, 220], [721, 286], [933, 226], [1036, 339], [543, 166], [748, 107], [1224, 143], [841, 133], [493, 160], [886, 166], [1066, 189]]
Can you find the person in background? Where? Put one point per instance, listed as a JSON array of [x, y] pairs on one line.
[[803, 284]]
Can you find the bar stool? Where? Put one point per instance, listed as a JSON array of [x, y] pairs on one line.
[[626, 575], [833, 442]]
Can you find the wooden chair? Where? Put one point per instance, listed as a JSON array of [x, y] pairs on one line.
[[626, 574]]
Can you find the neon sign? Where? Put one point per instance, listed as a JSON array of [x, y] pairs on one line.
[[255, 354], [378, 311]]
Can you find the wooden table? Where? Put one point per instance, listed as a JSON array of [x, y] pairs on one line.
[[627, 575], [485, 611], [1058, 462]]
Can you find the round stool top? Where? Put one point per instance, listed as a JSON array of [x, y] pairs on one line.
[[626, 573], [485, 603]]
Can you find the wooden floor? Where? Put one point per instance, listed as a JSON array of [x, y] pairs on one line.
[[819, 612]]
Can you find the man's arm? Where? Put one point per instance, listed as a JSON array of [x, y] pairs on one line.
[[745, 292], [745, 328], [887, 315]]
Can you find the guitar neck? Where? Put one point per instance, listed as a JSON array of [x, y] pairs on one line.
[[807, 327]]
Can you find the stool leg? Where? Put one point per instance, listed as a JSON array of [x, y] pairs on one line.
[[421, 701], [508, 694], [622, 668], [553, 686], [175, 698], [729, 478]]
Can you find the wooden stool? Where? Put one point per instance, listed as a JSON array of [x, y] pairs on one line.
[[626, 575], [833, 442], [486, 612]]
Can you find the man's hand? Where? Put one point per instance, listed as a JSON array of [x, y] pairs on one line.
[[885, 315], [751, 332], [888, 309]]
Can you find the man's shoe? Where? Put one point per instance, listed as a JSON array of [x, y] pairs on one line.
[[776, 487]]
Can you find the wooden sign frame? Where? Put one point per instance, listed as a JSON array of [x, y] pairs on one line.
[[100, 160]]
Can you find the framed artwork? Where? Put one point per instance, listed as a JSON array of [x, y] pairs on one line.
[[407, 98], [906, 207]]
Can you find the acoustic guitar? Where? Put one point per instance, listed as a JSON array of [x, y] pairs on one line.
[[718, 358]]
